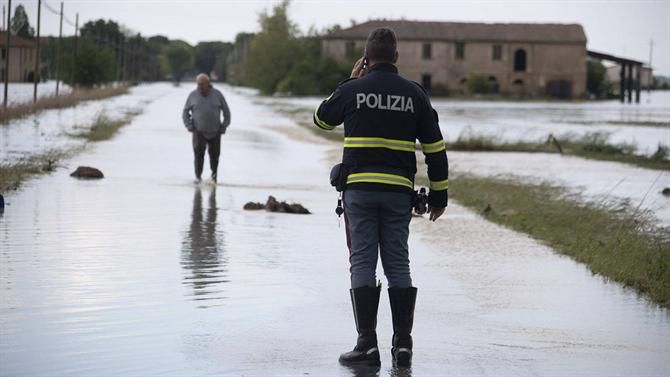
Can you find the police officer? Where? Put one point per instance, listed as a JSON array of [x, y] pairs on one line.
[[383, 114]]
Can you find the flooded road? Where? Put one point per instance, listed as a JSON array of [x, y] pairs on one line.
[[144, 273]]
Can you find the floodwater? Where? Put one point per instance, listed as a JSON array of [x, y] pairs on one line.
[[644, 125], [22, 92], [598, 181], [144, 273], [51, 130]]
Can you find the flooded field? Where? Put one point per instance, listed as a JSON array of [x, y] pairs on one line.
[[51, 130], [22, 92], [145, 273], [598, 181]]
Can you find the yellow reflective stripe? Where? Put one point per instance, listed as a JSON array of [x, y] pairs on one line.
[[379, 142], [439, 185], [321, 123], [435, 147], [389, 179]]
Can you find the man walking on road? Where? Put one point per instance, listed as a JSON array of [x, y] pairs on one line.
[[383, 114], [202, 117]]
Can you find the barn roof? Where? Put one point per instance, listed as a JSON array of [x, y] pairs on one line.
[[466, 31]]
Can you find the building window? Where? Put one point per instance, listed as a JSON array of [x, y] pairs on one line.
[[350, 49], [427, 82], [460, 50], [427, 51], [520, 60], [497, 52]]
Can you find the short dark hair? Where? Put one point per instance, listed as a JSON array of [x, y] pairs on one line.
[[381, 45]]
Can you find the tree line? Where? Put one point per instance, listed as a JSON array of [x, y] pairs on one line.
[[279, 58]]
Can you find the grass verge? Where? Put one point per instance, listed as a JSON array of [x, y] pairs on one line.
[[12, 175], [60, 102], [618, 243]]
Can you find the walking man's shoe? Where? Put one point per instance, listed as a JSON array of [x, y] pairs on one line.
[[365, 302]]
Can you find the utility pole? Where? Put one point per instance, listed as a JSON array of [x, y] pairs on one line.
[[36, 74], [7, 47], [651, 70], [60, 43], [74, 53]]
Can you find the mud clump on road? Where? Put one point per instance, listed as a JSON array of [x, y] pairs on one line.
[[273, 205], [87, 172], [666, 191]]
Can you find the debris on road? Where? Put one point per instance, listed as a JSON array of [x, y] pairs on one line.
[[273, 205], [87, 172]]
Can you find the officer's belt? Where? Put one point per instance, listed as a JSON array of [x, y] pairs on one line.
[[381, 174]]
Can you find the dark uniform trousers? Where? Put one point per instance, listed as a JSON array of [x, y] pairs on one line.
[[377, 223]]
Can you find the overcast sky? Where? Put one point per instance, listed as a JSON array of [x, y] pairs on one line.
[[619, 27]]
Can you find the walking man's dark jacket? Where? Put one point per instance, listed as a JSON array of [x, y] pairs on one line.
[[384, 114]]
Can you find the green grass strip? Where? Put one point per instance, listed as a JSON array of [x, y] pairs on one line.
[[618, 243]]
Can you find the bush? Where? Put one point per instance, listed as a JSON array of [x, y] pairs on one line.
[[478, 84], [596, 79]]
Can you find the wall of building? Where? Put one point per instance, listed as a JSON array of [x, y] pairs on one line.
[[546, 64], [21, 63]]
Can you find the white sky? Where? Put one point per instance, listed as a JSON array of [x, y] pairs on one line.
[[619, 27]]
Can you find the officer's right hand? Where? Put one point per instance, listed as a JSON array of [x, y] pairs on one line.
[[435, 213], [358, 71]]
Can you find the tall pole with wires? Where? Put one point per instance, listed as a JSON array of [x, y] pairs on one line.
[[74, 52], [7, 48], [60, 44], [36, 74]]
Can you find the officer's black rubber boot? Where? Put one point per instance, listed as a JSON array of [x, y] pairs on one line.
[[365, 302], [402, 309]]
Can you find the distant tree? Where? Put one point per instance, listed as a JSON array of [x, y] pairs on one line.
[[107, 34], [234, 63], [207, 54], [273, 50], [94, 66], [19, 24], [596, 78], [179, 58], [102, 31]]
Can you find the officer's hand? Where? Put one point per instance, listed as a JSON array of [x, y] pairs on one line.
[[435, 213], [223, 130], [358, 70]]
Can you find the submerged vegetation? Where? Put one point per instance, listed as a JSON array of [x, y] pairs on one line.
[[593, 145], [104, 127], [12, 175], [618, 242]]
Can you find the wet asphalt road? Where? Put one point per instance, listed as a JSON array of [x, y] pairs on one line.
[[144, 273]]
